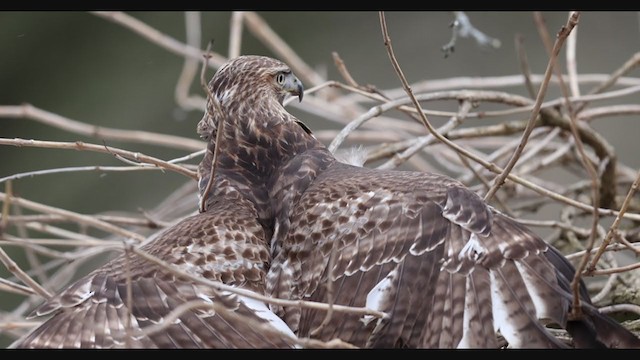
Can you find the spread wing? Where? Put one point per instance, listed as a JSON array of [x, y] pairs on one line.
[[448, 270], [225, 244]]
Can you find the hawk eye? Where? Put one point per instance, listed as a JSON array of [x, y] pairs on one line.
[[280, 78]]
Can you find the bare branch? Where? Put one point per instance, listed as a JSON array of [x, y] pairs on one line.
[[8, 286], [27, 111], [608, 111], [213, 102], [454, 122], [235, 34], [629, 65], [82, 146], [620, 307], [607, 240], [97, 168], [158, 38], [524, 65], [500, 179], [84, 219], [190, 66], [261, 30], [23, 276], [572, 67]]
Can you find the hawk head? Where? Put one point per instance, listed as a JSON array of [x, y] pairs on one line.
[[249, 84]]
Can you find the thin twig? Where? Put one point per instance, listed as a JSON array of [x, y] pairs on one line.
[[18, 324], [253, 295], [342, 69], [34, 262], [524, 65], [13, 240], [62, 233], [503, 206], [261, 30], [530, 166], [97, 168], [605, 152], [491, 82], [6, 207], [8, 286], [190, 66], [572, 67], [555, 224], [608, 111], [611, 280], [614, 78], [460, 95], [82, 146], [235, 34], [500, 179], [84, 219], [42, 250], [623, 240], [213, 102], [455, 121], [156, 37], [28, 111], [23, 276], [607, 240], [620, 307], [615, 270]]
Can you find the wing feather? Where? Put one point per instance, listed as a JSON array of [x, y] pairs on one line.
[[475, 265], [224, 244]]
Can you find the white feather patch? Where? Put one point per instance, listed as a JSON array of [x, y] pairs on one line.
[[473, 249], [377, 296], [466, 318], [543, 308], [501, 316], [355, 156], [263, 312]]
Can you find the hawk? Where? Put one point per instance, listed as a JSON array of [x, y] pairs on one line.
[[228, 243], [281, 216], [447, 269]]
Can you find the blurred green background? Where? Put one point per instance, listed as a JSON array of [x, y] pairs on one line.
[[86, 68]]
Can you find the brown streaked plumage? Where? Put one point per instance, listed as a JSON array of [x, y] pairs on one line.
[[227, 243], [449, 270], [224, 244]]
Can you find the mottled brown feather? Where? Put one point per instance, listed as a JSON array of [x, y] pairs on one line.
[[378, 219], [446, 268], [100, 320]]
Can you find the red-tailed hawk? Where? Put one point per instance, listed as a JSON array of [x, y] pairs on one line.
[[285, 218], [446, 268], [229, 243]]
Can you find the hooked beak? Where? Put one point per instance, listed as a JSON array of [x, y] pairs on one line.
[[300, 91], [294, 86]]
